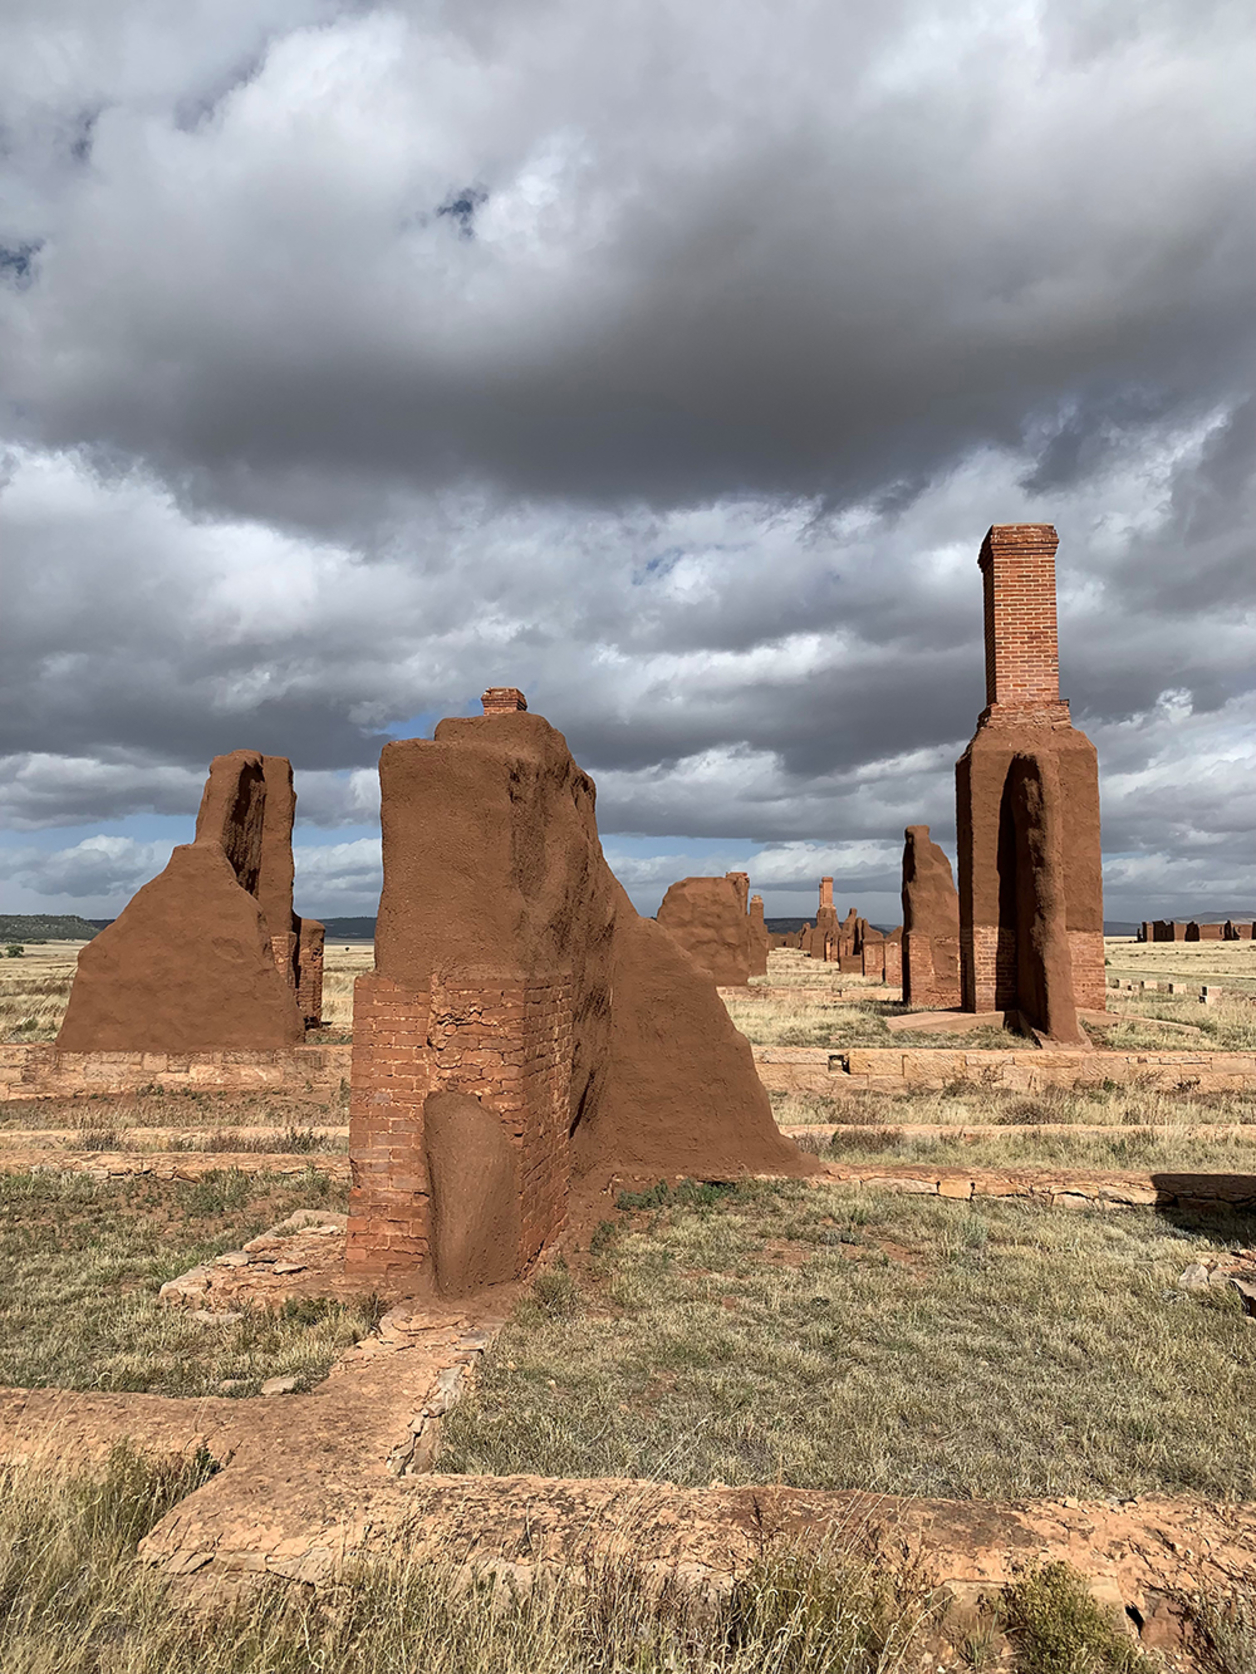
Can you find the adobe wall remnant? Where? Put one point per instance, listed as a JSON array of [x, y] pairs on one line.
[[1236, 932], [1205, 932], [512, 969], [707, 917], [206, 956], [894, 957], [930, 963], [759, 938], [473, 1174], [1027, 795]]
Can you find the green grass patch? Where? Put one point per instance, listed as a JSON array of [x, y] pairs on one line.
[[81, 1262], [843, 1338]]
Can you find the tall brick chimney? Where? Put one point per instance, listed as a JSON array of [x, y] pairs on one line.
[[1022, 650], [826, 884], [503, 700]]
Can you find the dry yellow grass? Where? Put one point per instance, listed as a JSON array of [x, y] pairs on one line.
[[35, 989], [1230, 964]]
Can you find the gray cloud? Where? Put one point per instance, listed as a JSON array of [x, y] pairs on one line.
[[689, 419]]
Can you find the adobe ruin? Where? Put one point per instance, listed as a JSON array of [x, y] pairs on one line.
[[930, 966], [707, 917], [512, 970], [1027, 795], [209, 956], [759, 942]]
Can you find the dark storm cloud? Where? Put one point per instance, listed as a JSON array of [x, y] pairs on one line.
[[783, 250], [669, 362]]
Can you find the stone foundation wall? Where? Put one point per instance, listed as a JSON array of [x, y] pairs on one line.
[[47, 1072]]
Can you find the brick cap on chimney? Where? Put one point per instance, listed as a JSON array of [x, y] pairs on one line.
[[503, 700]]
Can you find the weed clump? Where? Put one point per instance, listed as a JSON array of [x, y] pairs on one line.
[[1060, 1628]]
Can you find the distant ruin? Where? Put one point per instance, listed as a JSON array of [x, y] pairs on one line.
[[209, 956], [758, 938], [1164, 930], [512, 970], [708, 918], [1027, 795], [930, 924]]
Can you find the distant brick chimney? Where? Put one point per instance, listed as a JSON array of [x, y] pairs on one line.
[[1022, 651], [503, 700], [826, 884]]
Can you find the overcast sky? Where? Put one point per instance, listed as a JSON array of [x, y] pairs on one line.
[[665, 358]]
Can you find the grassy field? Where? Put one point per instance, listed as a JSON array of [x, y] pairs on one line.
[[215, 1114], [1229, 964], [968, 1103], [1146, 1150], [81, 1263], [843, 1338]]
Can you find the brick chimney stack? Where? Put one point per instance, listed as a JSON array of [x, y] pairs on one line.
[[503, 700], [1022, 651], [826, 884]]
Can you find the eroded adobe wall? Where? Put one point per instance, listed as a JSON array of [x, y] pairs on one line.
[[192, 964], [511, 967], [930, 948], [707, 917]]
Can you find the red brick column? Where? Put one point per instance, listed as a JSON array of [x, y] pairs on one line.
[[1022, 645]]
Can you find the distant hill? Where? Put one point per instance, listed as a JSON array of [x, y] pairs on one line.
[[46, 927], [350, 929]]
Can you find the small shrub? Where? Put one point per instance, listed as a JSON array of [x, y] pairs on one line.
[[688, 1194], [555, 1292], [1059, 1627], [13, 951], [604, 1235], [1025, 1112]]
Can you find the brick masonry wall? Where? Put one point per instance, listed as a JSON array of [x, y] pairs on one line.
[[392, 1075], [46, 1072], [284, 952], [1089, 980], [988, 967], [505, 1042], [894, 963], [1022, 651]]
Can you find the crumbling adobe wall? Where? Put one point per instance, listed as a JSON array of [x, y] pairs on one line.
[[707, 917], [930, 958], [190, 965], [894, 957], [760, 941], [1025, 720], [512, 968]]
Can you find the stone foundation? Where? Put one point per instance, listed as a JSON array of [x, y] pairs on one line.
[[47, 1072]]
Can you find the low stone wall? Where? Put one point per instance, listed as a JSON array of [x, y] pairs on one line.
[[46, 1072], [893, 1070]]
